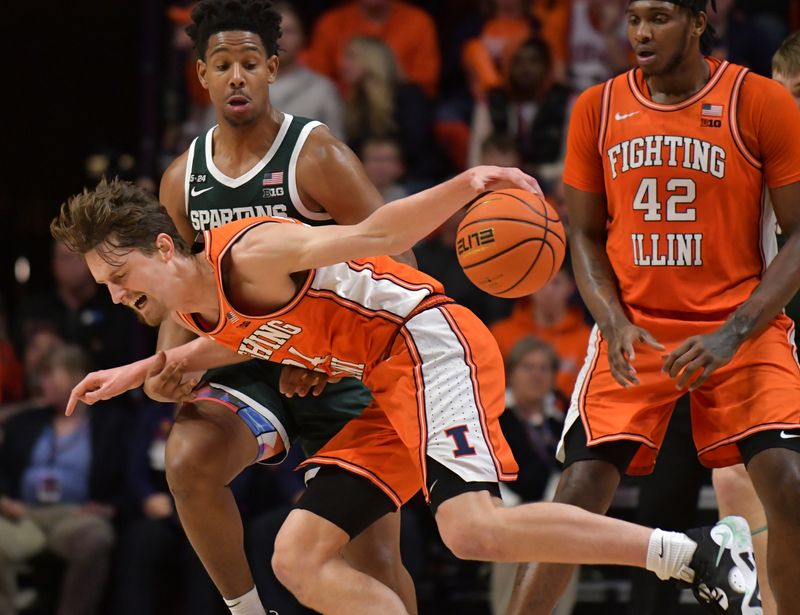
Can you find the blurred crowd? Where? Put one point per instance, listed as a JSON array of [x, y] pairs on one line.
[[419, 91]]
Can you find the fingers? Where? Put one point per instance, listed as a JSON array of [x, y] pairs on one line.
[[669, 360], [691, 370], [299, 381], [160, 362], [681, 361], [320, 386], [647, 337], [621, 370]]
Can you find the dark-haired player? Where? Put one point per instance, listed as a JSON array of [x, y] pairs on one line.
[[258, 161], [279, 290], [675, 254]]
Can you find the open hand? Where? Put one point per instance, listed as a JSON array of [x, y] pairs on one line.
[[699, 356], [299, 381], [621, 352], [165, 382]]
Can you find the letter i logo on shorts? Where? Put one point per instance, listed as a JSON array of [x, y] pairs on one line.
[[459, 435]]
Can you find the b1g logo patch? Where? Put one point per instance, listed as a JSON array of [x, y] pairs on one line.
[[706, 122]]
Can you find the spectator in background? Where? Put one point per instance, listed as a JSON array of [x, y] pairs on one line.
[[786, 66], [42, 339], [12, 381], [380, 103], [66, 474], [407, 30], [84, 315], [156, 563], [299, 90], [598, 47], [500, 150], [533, 110], [486, 58], [383, 162], [549, 315], [532, 426]]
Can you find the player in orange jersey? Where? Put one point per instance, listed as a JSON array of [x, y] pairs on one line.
[[675, 255], [278, 290]]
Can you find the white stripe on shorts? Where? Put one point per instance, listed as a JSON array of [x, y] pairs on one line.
[[574, 413], [450, 398]]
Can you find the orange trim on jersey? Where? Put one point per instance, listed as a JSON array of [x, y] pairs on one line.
[[790, 339], [733, 116], [605, 110], [744, 434], [644, 100], [355, 469], [422, 417], [356, 266], [356, 307], [628, 437], [585, 386], [473, 376]]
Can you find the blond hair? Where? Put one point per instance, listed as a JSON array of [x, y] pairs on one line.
[[786, 60], [371, 106]]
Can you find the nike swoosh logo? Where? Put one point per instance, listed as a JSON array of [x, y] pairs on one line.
[[196, 192], [661, 550], [788, 436], [433, 484], [624, 116]]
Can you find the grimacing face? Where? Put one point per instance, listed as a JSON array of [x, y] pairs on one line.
[[137, 280], [237, 73]]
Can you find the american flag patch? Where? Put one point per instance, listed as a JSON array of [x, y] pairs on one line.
[[272, 179], [231, 316], [712, 110]]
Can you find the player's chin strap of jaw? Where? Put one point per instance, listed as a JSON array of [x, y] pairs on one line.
[[694, 5]]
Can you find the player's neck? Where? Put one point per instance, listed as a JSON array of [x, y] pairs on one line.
[[688, 78], [198, 292], [237, 145]]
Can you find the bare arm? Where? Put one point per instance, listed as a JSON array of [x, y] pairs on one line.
[[332, 179], [388, 230], [597, 282]]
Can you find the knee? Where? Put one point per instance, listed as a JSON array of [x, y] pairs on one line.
[[732, 485], [194, 464], [782, 502], [469, 535], [293, 568]]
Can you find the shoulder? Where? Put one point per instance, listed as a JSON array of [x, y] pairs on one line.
[[590, 99], [173, 182], [760, 92], [322, 148]]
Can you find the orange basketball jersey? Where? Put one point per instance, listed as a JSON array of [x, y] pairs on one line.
[[341, 321], [689, 230]]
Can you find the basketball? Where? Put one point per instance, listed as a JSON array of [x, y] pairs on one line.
[[510, 243]]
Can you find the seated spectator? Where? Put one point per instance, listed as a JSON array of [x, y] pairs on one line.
[[532, 426], [549, 315], [383, 163], [12, 381], [380, 103], [66, 475], [786, 66], [299, 90], [407, 30], [42, 340], [156, 563], [83, 313], [533, 110], [20, 540], [533, 420], [486, 58], [500, 150], [598, 44]]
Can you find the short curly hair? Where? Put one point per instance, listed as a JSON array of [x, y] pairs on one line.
[[212, 16]]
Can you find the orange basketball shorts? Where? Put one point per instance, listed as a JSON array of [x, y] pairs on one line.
[[439, 393], [757, 391]]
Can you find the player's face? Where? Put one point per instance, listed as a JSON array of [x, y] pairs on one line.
[[137, 280], [237, 73], [791, 83], [661, 34]]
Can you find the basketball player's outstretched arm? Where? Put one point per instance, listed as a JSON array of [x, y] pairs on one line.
[[588, 217], [780, 282], [392, 229]]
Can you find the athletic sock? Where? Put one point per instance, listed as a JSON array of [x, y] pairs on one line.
[[668, 553], [246, 604]]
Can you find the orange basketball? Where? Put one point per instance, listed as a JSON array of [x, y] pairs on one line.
[[510, 243]]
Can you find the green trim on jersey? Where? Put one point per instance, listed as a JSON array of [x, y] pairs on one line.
[[268, 189]]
